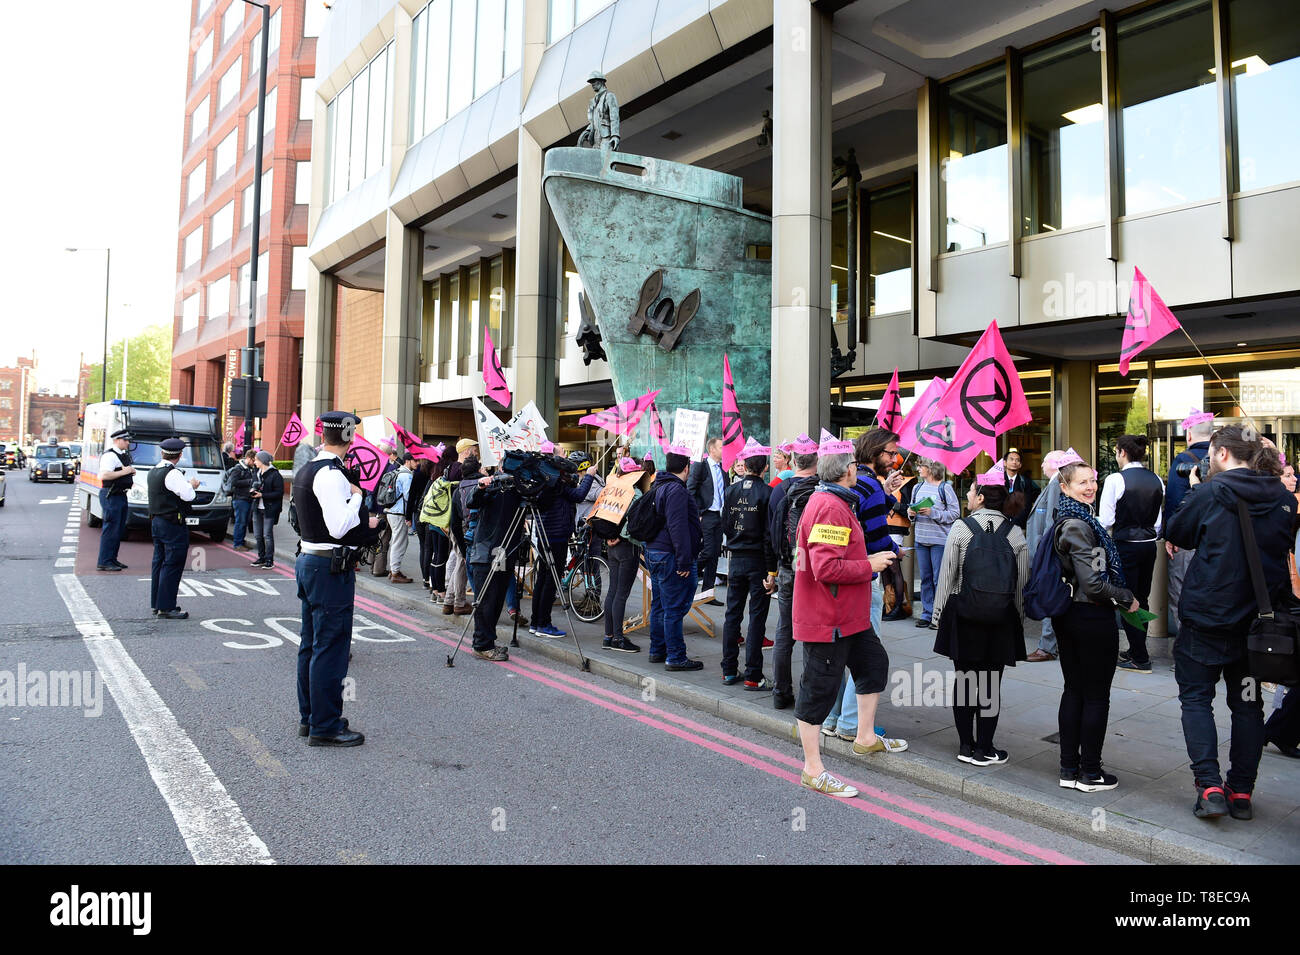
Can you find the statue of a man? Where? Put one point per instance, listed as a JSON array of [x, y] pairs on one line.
[[602, 115]]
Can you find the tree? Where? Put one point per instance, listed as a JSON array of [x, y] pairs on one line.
[[148, 367]]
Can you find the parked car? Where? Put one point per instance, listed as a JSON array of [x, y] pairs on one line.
[[2, 488], [51, 462]]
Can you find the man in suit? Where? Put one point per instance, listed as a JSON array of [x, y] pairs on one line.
[[1018, 483], [706, 484]]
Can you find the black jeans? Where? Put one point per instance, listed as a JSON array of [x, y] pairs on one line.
[[488, 601], [745, 576], [622, 575], [1139, 560], [544, 588], [439, 550], [976, 703], [1088, 643], [265, 531], [1196, 685], [710, 548], [1283, 726], [783, 651]]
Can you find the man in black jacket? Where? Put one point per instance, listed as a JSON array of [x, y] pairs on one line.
[[744, 522], [241, 493], [268, 496], [707, 482], [494, 504], [1217, 607]]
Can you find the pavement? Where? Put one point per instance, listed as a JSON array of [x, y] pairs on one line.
[[1148, 817]]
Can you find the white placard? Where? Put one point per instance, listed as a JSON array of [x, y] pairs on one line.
[[525, 431], [691, 429]]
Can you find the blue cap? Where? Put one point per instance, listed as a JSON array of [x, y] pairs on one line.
[[172, 446], [339, 424]]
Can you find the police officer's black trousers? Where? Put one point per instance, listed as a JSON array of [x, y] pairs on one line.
[[171, 542]]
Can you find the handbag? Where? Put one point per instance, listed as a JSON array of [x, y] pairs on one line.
[[1271, 640]]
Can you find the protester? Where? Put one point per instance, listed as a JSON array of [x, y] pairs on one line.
[[803, 455], [1017, 483], [228, 459], [782, 465], [932, 525], [1130, 511], [269, 495], [980, 608], [414, 498], [898, 589], [241, 494], [1086, 632], [671, 557], [557, 507], [379, 566], [832, 617], [445, 471], [395, 515], [1042, 517], [1197, 426], [1218, 604], [624, 558], [492, 505], [707, 482], [744, 522], [461, 528]]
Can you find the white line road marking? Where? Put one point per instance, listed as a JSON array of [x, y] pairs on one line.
[[211, 823], [67, 550], [65, 562], [55, 500], [70, 540]]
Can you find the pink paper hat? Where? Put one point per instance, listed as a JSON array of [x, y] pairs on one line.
[[753, 449], [1195, 417], [994, 475], [803, 445], [386, 444], [547, 447], [1059, 459], [439, 448], [833, 445], [681, 449], [786, 448], [628, 465]]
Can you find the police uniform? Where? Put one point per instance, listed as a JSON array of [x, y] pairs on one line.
[[332, 522], [112, 502], [169, 497]]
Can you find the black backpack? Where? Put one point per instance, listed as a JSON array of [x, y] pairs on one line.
[[386, 492], [792, 505], [644, 522], [988, 574]]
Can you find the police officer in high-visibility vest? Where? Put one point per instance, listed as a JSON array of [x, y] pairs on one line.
[[332, 524], [169, 497], [116, 476]]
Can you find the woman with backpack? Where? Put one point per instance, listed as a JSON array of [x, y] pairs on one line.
[[932, 524], [434, 514], [420, 482], [624, 556], [1086, 635], [979, 608]]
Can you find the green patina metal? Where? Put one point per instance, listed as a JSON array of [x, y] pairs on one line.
[[622, 217]]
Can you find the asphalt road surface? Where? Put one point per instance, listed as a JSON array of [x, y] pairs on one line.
[[177, 741]]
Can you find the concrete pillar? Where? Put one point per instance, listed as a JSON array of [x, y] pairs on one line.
[[801, 218], [1074, 409], [400, 379], [319, 318]]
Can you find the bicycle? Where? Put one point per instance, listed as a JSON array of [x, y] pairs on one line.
[[582, 578]]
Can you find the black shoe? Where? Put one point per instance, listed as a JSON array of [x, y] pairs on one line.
[[343, 737], [620, 643], [304, 729], [989, 757], [118, 564], [966, 754], [154, 610], [177, 614], [686, 665], [895, 615], [730, 679], [1292, 751], [921, 622], [1239, 804], [1095, 782], [516, 615], [1210, 803], [1069, 778], [781, 702], [656, 658], [109, 567]]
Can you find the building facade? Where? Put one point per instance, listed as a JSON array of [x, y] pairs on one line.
[[214, 247], [995, 163], [16, 387]]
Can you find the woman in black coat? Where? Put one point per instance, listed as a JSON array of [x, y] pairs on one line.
[[268, 495]]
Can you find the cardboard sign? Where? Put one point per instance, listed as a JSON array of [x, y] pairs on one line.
[[525, 431], [616, 496], [691, 429]]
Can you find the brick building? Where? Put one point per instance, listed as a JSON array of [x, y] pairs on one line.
[[215, 234], [16, 386], [54, 417]]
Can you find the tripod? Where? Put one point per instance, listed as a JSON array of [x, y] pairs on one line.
[[528, 510]]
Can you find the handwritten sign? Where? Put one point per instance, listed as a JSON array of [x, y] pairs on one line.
[[691, 429], [616, 496], [525, 431]]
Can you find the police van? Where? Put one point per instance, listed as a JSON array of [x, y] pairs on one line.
[[151, 423]]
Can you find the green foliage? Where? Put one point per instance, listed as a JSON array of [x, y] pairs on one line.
[[282, 465], [148, 367]]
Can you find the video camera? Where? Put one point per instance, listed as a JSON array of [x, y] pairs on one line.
[[533, 473]]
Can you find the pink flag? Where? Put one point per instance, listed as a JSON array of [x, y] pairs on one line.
[[657, 426], [623, 418], [368, 461], [414, 445], [239, 437], [494, 379], [929, 434], [1148, 321], [985, 397], [733, 433], [320, 428], [890, 413], [292, 431]]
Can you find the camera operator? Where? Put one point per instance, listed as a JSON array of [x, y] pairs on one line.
[[1197, 426], [558, 507], [1218, 604], [493, 502]]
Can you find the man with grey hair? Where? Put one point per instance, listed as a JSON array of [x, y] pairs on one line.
[[1198, 426]]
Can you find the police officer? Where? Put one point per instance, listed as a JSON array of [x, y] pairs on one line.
[[332, 522], [116, 475], [169, 497]]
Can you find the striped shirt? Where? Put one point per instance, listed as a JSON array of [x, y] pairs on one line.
[[933, 528], [948, 583], [873, 513]]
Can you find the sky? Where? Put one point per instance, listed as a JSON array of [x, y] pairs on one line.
[[93, 100]]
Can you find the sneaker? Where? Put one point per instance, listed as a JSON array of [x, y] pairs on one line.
[[1210, 803], [762, 683], [548, 631], [1069, 778], [966, 754], [1095, 782], [622, 644], [989, 757], [730, 679], [515, 615], [921, 622], [828, 784], [685, 665], [655, 658], [883, 744], [781, 701], [1133, 667], [828, 729], [495, 654], [850, 735], [768, 644], [1239, 804], [1125, 656]]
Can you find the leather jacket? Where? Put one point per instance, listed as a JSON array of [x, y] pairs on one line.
[[1076, 544]]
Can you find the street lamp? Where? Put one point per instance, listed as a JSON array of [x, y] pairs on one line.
[[249, 371], [108, 262]]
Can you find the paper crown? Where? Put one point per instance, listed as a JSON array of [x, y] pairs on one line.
[[681, 449], [439, 448], [803, 445], [628, 465], [753, 449], [1195, 417], [833, 445], [1059, 459], [547, 447], [786, 448], [994, 475], [386, 444]]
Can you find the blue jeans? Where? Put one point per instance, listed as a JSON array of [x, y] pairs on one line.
[[1196, 685], [844, 714], [115, 510], [326, 636], [670, 603], [1047, 642], [242, 510], [929, 558]]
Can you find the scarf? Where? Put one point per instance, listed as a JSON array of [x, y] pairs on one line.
[[844, 494], [1068, 507]]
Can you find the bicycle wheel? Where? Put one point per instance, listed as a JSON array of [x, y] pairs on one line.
[[587, 587]]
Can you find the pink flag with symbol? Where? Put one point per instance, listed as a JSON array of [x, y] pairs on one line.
[[985, 397], [494, 379], [622, 418], [416, 447], [657, 426], [239, 437], [733, 432], [890, 413], [368, 461], [292, 431], [320, 428], [1148, 321]]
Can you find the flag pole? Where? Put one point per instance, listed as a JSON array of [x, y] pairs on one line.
[[1235, 400]]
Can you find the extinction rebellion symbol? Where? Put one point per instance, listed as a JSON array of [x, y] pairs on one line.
[[292, 434], [937, 434], [984, 411], [365, 460]]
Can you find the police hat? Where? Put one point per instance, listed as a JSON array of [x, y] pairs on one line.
[[172, 446], [339, 425], [120, 433]]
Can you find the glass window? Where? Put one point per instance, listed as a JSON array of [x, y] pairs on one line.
[[974, 179], [585, 9], [1064, 164], [222, 224], [342, 137], [561, 20], [229, 88], [496, 308], [839, 263], [219, 297], [470, 334], [357, 152], [490, 41], [192, 248], [1264, 50], [460, 87], [514, 35], [190, 312], [388, 101], [250, 140], [274, 43], [378, 74], [224, 161], [199, 119], [306, 97], [419, 65], [435, 89], [1170, 119], [1033, 439], [889, 260], [232, 20], [202, 56], [298, 278], [196, 182], [302, 183], [314, 18]]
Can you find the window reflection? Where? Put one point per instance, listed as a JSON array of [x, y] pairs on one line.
[[460, 86], [975, 168], [889, 266], [1264, 50]]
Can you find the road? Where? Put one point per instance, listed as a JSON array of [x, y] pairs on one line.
[[188, 751]]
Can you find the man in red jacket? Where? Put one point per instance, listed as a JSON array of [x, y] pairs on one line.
[[832, 617]]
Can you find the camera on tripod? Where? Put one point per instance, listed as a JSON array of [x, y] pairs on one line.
[[533, 473]]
